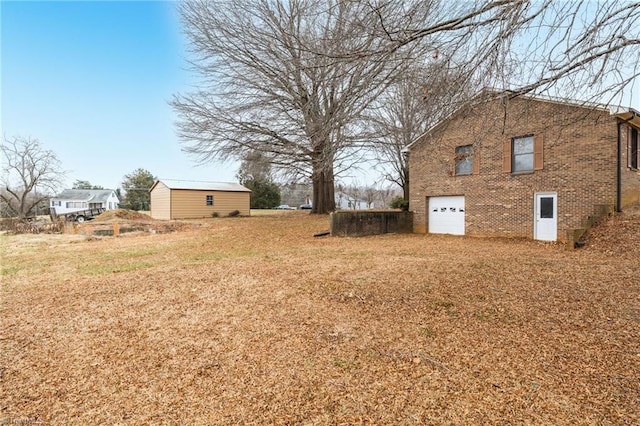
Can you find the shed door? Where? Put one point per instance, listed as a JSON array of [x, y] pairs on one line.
[[446, 215]]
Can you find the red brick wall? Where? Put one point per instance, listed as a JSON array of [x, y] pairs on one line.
[[579, 164]]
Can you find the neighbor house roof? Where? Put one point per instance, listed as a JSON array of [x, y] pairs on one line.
[[201, 185], [91, 195]]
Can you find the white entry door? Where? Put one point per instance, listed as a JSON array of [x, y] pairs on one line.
[[546, 217], [446, 215]]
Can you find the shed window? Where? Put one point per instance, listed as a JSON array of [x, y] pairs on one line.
[[209, 200], [633, 148]]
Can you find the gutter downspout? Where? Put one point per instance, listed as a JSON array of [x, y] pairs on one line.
[[619, 171]]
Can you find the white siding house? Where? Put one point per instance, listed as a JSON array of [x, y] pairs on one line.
[[73, 200], [348, 202]]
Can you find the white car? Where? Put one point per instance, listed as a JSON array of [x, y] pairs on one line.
[[285, 207]]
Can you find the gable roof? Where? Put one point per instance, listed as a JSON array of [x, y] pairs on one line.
[[90, 195], [201, 185], [489, 95]]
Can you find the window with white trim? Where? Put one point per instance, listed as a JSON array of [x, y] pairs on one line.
[[209, 200], [76, 205]]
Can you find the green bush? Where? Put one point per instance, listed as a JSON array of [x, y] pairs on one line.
[[264, 193], [399, 203]]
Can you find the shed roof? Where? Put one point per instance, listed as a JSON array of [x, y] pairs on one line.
[[201, 185], [92, 195]]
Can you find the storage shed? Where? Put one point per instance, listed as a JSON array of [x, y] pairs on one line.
[[179, 199]]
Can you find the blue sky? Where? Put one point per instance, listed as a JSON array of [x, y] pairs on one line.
[[91, 81]]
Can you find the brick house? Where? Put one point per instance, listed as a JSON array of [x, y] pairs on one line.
[[523, 167]]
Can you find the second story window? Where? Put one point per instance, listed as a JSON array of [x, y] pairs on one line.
[[523, 154], [634, 155], [464, 160]]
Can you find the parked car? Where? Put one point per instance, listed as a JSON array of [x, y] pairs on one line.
[[305, 207], [285, 207]]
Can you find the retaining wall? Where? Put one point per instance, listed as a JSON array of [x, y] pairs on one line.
[[358, 223]]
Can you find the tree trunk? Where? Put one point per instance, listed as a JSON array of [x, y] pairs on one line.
[[405, 191], [323, 191], [405, 182], [24, 208]]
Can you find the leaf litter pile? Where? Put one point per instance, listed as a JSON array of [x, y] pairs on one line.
[[254, 321]]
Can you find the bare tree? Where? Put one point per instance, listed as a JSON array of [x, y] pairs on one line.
[[255, 174], [583, 49], [385, 194], [270, 81], [292, 79], [587, 50], [414, 102], [254, 166], [369, 194], [353, 195], [31, 175]]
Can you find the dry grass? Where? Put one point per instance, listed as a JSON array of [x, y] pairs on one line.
[[254, 321]]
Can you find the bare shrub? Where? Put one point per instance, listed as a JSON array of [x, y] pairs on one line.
[[26, 226]]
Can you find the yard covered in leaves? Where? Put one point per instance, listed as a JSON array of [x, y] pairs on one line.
[[254, 321]]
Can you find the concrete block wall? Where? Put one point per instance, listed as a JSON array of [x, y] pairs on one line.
[[357, 223]]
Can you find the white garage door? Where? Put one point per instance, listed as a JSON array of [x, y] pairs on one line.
[[446, 215]]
